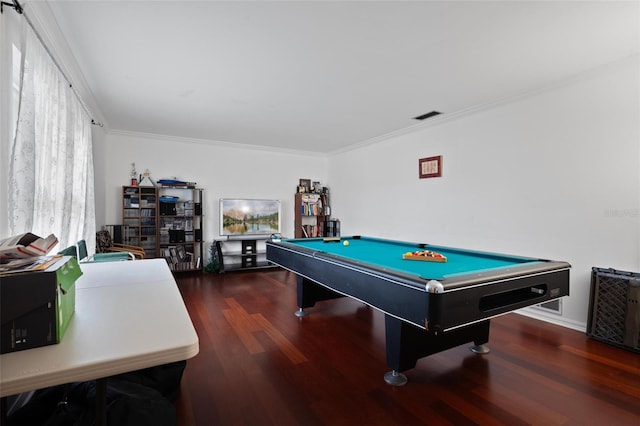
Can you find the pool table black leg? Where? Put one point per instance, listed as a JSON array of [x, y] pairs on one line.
[[309, 293], [395, 378], [406, 343], [480, 349], [479, 343]]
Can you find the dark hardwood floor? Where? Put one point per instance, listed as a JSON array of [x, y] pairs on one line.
[[261, 365]]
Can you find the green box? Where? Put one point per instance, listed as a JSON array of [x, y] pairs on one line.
[[37, 307]]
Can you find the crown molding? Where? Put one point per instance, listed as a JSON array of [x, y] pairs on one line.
[[211, 142], [633, 59]]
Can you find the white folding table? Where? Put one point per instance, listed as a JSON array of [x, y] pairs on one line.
[[128, 316]]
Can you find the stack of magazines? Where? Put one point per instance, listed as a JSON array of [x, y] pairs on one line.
[[26, 252]]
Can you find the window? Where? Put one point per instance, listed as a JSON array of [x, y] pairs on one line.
[[49, 177]]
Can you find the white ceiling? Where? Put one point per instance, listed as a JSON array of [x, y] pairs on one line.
[[325, 75]]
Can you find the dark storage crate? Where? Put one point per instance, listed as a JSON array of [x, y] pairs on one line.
[[331, 228], [614, 308], [167, 209]]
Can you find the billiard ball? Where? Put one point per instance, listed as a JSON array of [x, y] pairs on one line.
[[345, 243]]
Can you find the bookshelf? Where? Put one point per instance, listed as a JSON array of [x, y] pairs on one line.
[[311, 213], [139, 215], [173, 230], [180, 227]]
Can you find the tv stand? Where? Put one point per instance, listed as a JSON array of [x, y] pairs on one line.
[[241, 254]]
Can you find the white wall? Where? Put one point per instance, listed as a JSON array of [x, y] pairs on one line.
[[223, 171], [553, 175]]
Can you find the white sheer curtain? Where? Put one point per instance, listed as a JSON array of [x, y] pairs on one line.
[[51, 165]]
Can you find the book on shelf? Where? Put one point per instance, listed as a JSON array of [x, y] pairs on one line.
[[26, 245], [311, 231], [177, 258], [311, 206]]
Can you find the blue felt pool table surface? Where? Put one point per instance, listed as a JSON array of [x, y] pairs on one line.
[[388, 254]]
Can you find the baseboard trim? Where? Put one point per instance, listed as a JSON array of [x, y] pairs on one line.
[[553, 319]]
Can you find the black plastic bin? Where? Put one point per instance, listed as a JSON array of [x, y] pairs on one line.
[[614, 308]]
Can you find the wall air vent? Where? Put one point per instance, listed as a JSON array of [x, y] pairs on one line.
[[552, 306], [427, 115]]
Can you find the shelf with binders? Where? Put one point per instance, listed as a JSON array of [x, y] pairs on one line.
[[139, 211], [180, 227]]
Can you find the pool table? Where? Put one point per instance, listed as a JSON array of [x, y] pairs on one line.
[[428, 306]]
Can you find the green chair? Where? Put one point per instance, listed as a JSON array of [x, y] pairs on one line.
[[83, 255], [70, 251]]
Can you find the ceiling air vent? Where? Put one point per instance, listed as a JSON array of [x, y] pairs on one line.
[[427, 115]]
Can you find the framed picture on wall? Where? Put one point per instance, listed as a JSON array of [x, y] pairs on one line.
[[306, 184], [430, 167]]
